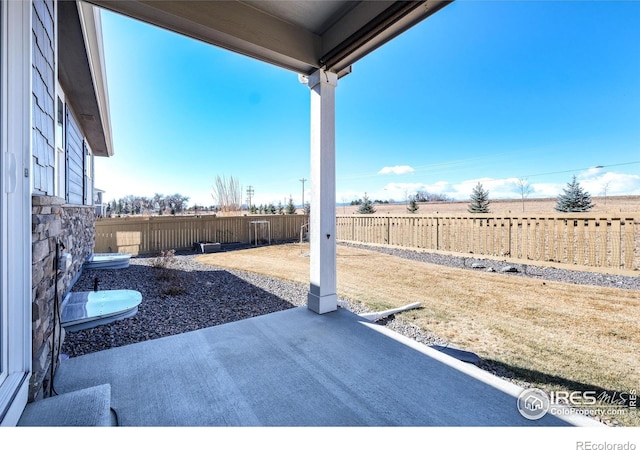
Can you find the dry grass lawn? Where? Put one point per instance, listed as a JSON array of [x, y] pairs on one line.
[[555, 334]]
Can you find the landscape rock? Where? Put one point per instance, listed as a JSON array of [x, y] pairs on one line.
[[539, 272]]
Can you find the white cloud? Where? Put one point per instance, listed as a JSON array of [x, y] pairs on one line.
[[396, 170], [596, 182]]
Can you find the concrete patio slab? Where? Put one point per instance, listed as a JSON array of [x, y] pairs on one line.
[[296, 368]]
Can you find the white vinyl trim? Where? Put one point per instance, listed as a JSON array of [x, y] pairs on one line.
[[60, 180], [15, 208]]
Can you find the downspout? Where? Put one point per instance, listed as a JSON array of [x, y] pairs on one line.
[[374, 317]]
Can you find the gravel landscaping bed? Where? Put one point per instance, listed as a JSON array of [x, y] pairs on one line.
[[184, 296], [523, 270], [187, 296]]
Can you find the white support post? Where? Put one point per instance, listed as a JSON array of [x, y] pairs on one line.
[[322, 296]]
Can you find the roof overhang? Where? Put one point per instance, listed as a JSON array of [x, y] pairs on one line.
[[302, 36], [81, 72]]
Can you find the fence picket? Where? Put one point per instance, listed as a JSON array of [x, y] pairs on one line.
[[580, 239], [583, 239], [143, 235]]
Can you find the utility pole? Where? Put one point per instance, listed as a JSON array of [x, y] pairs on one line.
[[249, 194], [303, 180]]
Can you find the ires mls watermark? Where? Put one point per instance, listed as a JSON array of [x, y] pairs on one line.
[[534, 403]]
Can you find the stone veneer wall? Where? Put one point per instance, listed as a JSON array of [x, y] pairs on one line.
[[74, 226]]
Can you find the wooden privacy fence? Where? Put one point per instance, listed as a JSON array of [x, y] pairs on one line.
[[142, 235], [580, 239]]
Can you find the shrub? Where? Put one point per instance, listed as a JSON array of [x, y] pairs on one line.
[[479, 200], [366, 207], [291, 208], [574, 199], [413, 205], [164, 259]]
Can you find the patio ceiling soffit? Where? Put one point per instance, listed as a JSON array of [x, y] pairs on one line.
[[302, 36]]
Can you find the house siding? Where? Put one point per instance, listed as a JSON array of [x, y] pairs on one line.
[[43, 98], [54, 221], [74, 161]]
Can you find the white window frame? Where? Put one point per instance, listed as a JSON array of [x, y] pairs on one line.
[[15, 208], [60, 171], [88, 173]]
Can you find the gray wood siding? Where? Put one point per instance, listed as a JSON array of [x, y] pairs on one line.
[[43, 99], [74, 160]]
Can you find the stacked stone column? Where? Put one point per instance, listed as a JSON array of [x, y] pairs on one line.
[[73, 226]]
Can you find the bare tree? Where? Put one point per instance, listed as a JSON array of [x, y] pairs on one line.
[[227, 194], [422, 196], [605, 189], [177, 203], [524, 188]]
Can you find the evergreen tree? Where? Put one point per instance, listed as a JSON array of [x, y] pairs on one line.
[[574, 199], [280, 208], [291, 208], [479, 200], [307, 209], [366, 207], [413, 205]]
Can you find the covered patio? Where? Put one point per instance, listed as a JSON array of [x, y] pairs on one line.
[[295, 368], [318, 365]]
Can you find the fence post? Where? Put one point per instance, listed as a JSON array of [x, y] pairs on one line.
[[147, 241], [509, 244], [628, 244]]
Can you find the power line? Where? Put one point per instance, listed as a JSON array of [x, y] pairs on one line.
[[249, 194], [584, 168], [303, 180]]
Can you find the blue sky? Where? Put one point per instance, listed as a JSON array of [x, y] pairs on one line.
[[481, 91]]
